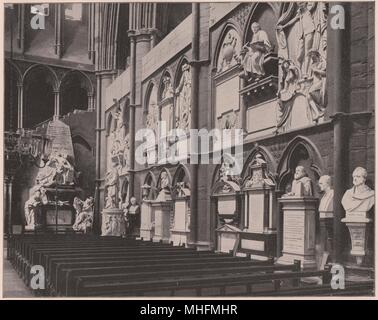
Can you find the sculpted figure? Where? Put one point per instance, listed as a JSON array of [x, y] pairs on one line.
[[254, 52], [305, 35], [168, 89], [184, 100], [133, 216], [326, 202], [111, 185], [301, 185], [65, 171], [32, 207], [84, 219], [316, 93], [360, 197]]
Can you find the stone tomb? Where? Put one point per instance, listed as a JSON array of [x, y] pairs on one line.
[[259, 236], [299, 230], [181, 217], [227, 197]]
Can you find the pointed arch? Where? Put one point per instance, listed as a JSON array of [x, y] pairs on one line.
[[150, 180], [151, 86], [268, 157], [181, 174], [109, 122], [274, 6], [80, 140], [166, 73], [230, 25], [177, 75], [300, 149]]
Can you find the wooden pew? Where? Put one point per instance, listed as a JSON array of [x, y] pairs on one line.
[[75, 278], [195, 283]]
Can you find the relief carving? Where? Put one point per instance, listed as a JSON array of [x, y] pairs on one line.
[[229, 51], [302, 70], [184, 101]]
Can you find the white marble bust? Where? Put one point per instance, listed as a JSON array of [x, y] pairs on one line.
[[326, 202], [301, 185], [360, 198]]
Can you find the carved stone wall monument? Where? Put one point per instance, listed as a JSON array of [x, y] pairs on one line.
[[301, 34], [181, 220], [357, 202], [299, 207]]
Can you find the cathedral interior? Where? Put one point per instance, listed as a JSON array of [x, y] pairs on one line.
[[83, 81]]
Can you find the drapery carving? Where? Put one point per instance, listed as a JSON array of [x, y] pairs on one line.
[[302, 48]]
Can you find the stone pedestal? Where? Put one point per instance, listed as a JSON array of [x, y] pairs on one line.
[[299, 231], [357, 223], [162, 219], [180, 230], [113, 222], [326, 231], [146, 221]]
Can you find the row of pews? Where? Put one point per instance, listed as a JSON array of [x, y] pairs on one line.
[[85, 266]]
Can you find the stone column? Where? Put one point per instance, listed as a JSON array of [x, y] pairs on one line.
[[56, 104], [20, 106], [337, 73], [195, 69]]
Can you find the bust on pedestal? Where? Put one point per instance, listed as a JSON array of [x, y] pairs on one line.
[[357, 202], [161, 209], [299, 207], [326, 213]]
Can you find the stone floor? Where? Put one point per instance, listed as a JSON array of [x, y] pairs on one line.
[[13, 286]]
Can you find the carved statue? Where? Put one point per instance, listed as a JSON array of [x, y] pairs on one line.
[[360, 197], [118, 133], [184, 100], [305, 34], [164, 187], [301, 185], [111, 185], [253, 53], [57, 170], [152, 117], [33, 205], [84, 216], [316, 93], [168, 89], [126, 151], [326, 202]]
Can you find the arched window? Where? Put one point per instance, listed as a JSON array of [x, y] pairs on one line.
[[40, 82], [76, 92]]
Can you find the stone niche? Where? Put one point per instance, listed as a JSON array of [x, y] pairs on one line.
[[259, 235], [226, 81], [181, 215], [259, 72], [227, 200]]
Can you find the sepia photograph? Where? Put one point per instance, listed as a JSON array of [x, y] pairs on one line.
[[187, 150]]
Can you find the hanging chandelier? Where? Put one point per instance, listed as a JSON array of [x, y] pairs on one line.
[[26, 146]]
